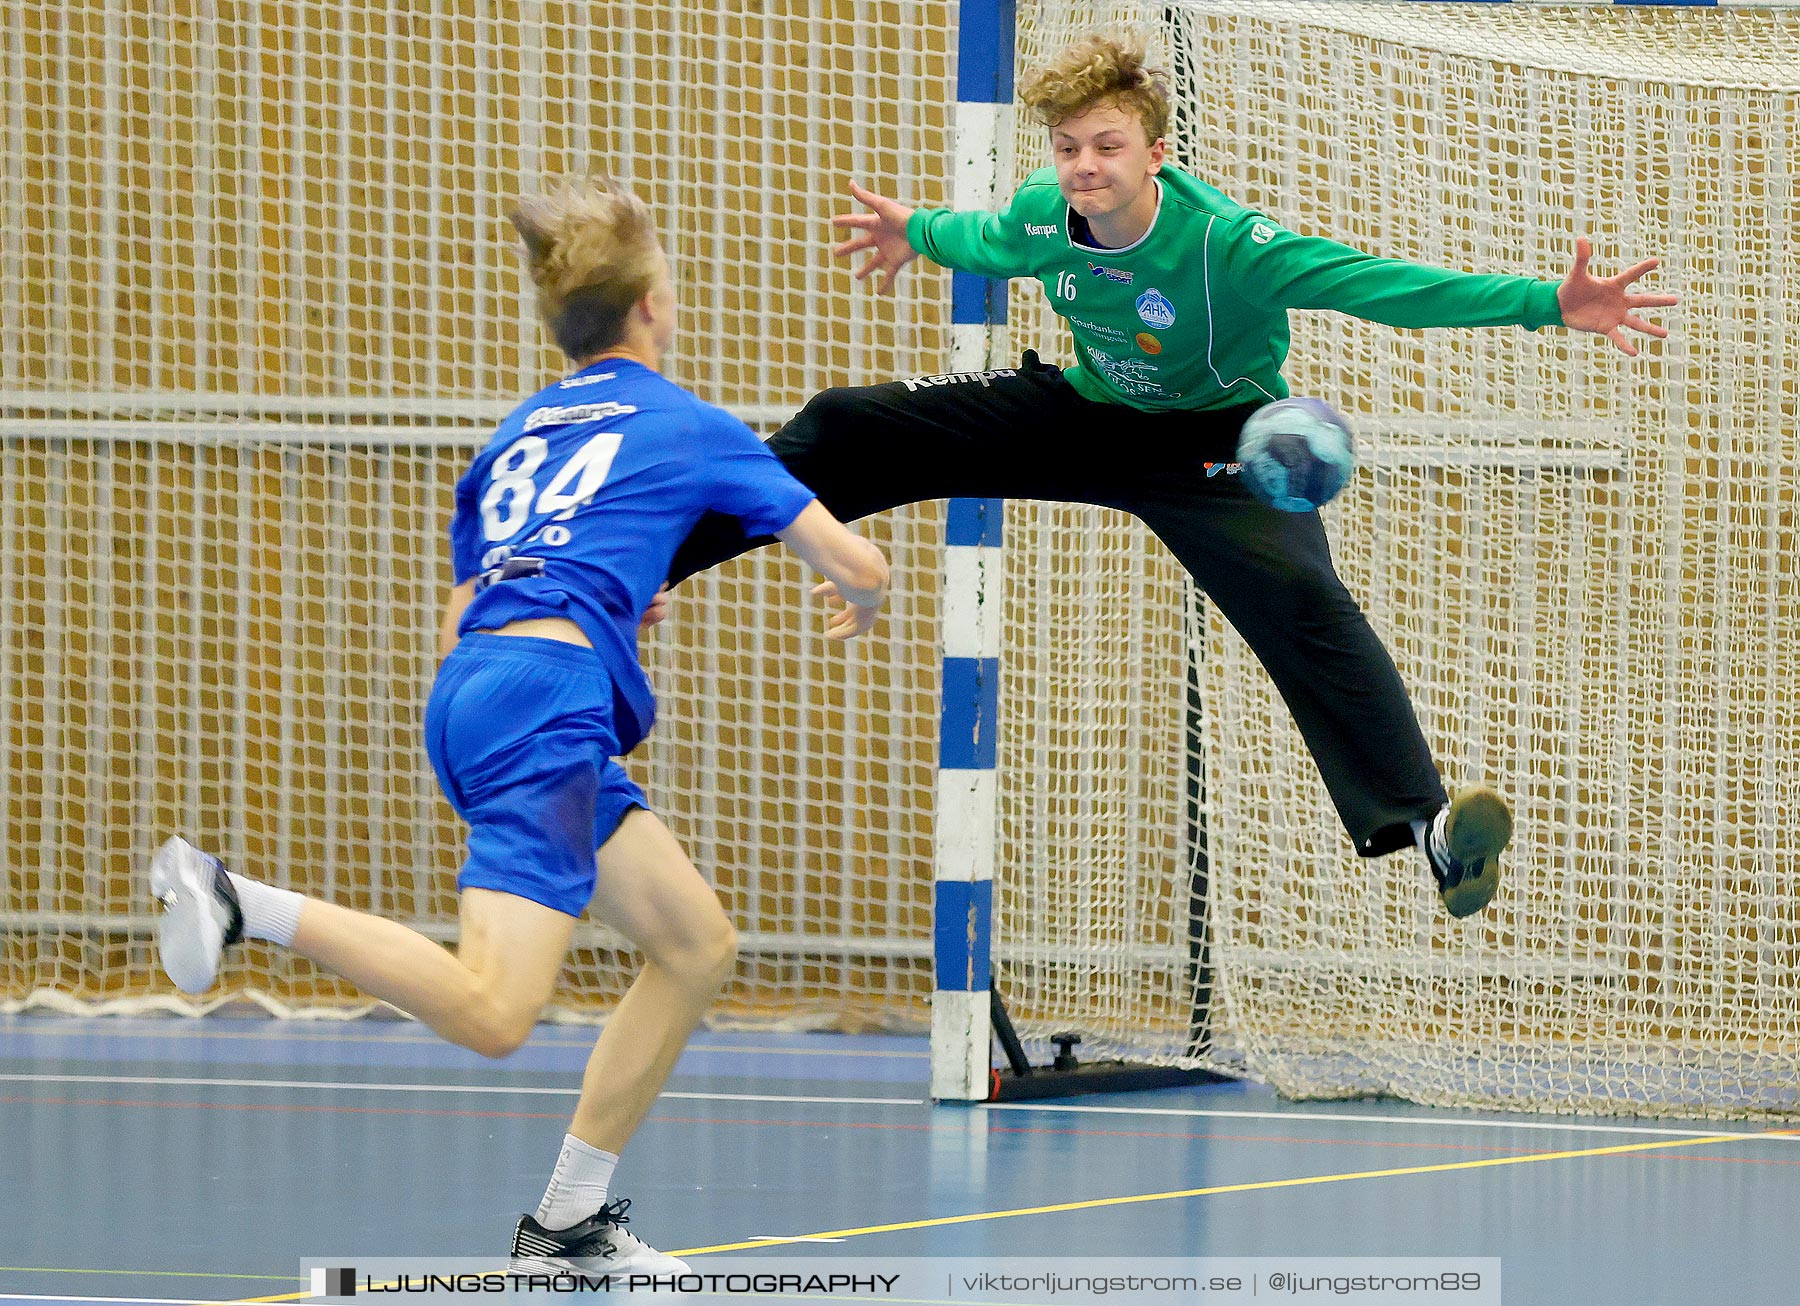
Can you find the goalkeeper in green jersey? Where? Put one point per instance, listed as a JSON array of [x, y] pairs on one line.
[[1177, 298]]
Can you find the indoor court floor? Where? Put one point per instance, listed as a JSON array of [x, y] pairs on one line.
[[170, 1160]]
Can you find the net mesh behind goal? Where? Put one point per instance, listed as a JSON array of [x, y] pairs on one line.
[[259, 304], [1579, 561]]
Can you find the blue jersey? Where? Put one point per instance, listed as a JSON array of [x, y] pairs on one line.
[[576, 506]]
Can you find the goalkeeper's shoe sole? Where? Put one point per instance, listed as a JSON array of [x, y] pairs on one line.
[[200, 916], [1476, 831]]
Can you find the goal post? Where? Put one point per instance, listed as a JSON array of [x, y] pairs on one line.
[[966, 831]]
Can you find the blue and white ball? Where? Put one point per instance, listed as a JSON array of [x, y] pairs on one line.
[[1296, 454]]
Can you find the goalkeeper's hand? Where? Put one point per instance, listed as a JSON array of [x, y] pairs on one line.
[[1604, 306], [882, 230]]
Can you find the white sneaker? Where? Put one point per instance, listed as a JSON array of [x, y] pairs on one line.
[[200, 918], [599, 1244]]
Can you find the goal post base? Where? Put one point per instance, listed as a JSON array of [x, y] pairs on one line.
[[1067, 1076], [1094, 1077]]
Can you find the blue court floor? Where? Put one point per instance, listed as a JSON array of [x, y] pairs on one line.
[[162, 1160]]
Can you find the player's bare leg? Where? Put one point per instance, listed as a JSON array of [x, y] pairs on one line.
[[649, 891]]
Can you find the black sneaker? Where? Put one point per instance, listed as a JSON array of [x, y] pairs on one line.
[[599, 1244], [201, 916], [1463, 847]]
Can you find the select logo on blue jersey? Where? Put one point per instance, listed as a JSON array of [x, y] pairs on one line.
[[554, 416], [572, 382], [1155, 310], [1119, 275]]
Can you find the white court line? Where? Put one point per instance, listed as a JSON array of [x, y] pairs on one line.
[[1285, 1117], [367, 1035], [1342, 1117], [522, 1090]]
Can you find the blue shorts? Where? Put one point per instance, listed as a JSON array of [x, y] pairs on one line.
[[520, 732]]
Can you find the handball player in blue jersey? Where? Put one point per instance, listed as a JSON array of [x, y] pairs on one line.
[[563, 533]]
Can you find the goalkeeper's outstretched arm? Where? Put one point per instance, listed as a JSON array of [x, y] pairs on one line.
[[882, 231]]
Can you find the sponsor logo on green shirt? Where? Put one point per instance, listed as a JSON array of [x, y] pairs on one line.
[[1155, 310]]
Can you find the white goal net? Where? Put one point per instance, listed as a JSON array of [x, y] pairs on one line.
[[258, 305], [1581, 562]]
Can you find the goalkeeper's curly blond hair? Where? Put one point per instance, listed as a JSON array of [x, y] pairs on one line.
[[592, 253], [1099, 69]]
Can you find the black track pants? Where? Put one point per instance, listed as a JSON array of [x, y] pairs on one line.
[[1025, 433]]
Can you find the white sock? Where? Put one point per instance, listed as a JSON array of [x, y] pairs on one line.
[[1430, 834], [269, 913], [577, 1185]]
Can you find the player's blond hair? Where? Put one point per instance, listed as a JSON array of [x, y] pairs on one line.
[[592, 251], [1099, 69]]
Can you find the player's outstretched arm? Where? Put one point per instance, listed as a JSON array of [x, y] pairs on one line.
[[883, 230], [1606, 306], [854, 569]]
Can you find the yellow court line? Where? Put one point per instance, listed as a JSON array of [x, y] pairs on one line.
[[1261, 1185], [286, 1296], [329, 1035], [769, 1296], [165, 1274], [1621, 1149]]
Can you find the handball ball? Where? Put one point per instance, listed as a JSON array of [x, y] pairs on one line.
[[1296, 454]]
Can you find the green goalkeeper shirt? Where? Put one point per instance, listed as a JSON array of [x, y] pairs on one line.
[[1194, 315]]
